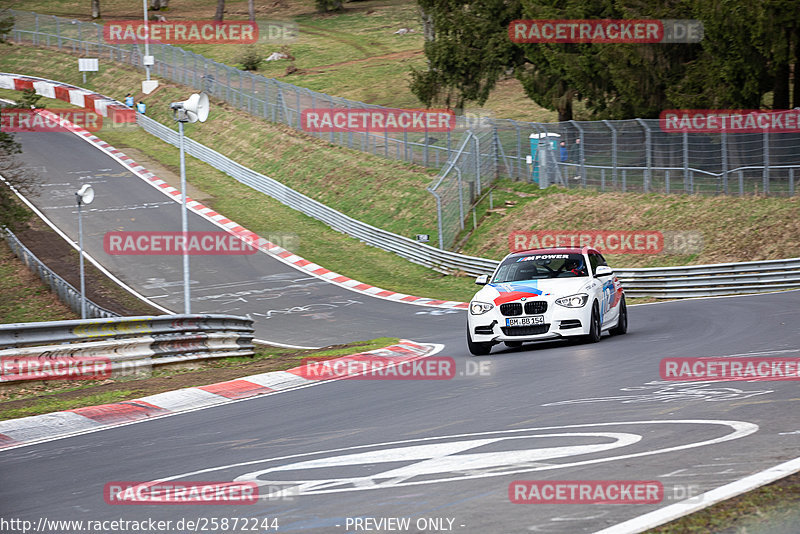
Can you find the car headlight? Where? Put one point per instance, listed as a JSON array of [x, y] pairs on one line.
[[479, 308], [573, 301]]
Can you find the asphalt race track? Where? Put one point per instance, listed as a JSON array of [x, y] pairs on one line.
[[289, 306], [440, 452]]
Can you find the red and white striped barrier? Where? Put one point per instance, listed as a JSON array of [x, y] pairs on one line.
[[16, 432]]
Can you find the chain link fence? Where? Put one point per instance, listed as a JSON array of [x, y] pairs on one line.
[[620, 155]]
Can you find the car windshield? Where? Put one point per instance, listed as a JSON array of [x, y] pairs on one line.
[[538, 266]]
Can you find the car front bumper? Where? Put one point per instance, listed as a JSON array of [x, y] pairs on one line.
[[559, 322]]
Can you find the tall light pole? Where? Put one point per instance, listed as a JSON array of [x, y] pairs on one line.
[[146, 40], [194, 109], [85, 195]]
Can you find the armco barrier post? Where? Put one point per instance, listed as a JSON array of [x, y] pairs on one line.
[[460, 197], [648, 154], [723, 146], [581, 152], [613, 155], [765, 170], [686, 162]]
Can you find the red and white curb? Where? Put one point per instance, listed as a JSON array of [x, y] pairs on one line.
[[104, 105], [37, 428]]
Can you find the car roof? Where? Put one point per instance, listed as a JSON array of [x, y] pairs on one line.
[[553, 250]]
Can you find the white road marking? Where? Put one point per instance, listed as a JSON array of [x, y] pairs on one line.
[[509, 462], [660, 391], [698, 502]]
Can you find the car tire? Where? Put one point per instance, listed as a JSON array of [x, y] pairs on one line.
[[513, 344], [595, 326], [478, 349], [622, 322]]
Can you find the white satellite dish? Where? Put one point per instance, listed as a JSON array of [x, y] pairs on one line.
[[85, 194], [193, 109]]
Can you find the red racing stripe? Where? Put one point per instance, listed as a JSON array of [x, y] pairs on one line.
[[120, 412], [6, 441], [236, 389]]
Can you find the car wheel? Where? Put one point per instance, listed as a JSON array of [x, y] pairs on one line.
[[513, 344], [622, 322], [478, 349], [594, 326]]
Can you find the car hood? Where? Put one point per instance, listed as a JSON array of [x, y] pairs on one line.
[[511, 291]]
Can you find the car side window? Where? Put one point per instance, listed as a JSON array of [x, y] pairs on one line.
[[601, 260], [594, 261]]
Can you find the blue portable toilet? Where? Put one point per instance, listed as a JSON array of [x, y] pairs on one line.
[[544, 150]]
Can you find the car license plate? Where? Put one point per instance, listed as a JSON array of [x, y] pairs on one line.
[[525, 321]]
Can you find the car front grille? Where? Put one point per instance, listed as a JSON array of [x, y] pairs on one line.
[[510, 309], [525, 330], [535, 307]]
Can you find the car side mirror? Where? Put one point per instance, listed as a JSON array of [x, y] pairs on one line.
[[603, 270], [482, 280]]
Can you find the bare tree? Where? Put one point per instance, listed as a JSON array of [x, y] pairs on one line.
[[95, 9], [220, 14], [14, 175]]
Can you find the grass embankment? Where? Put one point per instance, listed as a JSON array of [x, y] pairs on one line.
[[770, 509], [392, 195], [352, 54], [734, 229], [25, 298]]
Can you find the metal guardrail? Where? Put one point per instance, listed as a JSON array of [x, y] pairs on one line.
[[127, 343], [64, 290], [642, 282], [440, 260], [712, 280]]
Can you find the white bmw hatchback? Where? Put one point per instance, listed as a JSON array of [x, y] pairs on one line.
[[546, 294]]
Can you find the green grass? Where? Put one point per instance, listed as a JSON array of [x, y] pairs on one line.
[[770, 508], [350, 54], [267, 353], [25, 298], [734, 228], [48, 405]]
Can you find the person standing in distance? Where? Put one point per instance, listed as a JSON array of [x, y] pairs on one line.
[[141, 108], [129, 100]]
